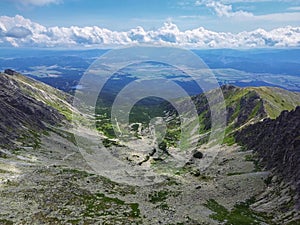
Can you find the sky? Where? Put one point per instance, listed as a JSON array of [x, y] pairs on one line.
[[171, 21]]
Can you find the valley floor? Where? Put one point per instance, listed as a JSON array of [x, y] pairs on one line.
[[57, 186]]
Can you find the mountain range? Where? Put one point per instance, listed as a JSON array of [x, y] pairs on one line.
[[252, 178]]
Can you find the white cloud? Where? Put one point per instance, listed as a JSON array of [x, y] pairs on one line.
[[223, 10], [37, 2], [279, 17], [20, 32], [253, 1], [296, 8]]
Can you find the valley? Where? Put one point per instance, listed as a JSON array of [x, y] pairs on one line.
[[47, 163]]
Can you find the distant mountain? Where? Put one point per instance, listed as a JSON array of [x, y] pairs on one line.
[[63, 69]]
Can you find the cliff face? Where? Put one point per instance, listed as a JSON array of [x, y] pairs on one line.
[[21, 115], [277, 143]]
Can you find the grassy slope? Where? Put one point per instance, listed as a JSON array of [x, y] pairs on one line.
[[46, 94], [277, 100], [246, 106]]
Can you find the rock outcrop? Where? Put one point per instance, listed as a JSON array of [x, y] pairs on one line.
[[21, 115], [10, 72], [277, 143]]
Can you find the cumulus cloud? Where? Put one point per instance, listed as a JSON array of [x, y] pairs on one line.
[[18, 31]]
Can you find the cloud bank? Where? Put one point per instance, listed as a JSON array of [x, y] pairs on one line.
[[20, 32]]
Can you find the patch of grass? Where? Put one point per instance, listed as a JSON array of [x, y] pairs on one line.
[[277, 100], [163, 206], [105, 127], [30, 139], [182, 170], [256, 109], [135, 211], [74, 222], [240, 214], [101, 205], [158, 196], [109, 143], [6, 222], [172, 181], [229, 140], [3, 171]]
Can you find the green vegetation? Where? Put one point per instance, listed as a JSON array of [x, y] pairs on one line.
[[30, 139], [229, 140], [6, 222], [240, 214], [277, 100], [158, 196], [3, 171], [163, 206], [49, 95], [140, 113], [101, 205], [244, 105], [103, 121], [109, 143]]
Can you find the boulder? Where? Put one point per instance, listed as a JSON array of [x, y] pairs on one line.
[[198, 155]]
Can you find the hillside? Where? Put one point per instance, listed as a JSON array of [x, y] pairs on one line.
[[46, 176], [25, 109], [244, 106], [277, 144]]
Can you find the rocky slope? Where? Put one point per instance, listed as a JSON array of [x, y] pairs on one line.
[[44, 178], [277, 143], [21, 115]]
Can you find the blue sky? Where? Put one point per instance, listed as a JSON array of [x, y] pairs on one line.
[[224, 15], [185, 23]]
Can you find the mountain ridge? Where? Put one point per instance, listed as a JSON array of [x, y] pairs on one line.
[[22, 115], [50, 171], [277, 143]]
